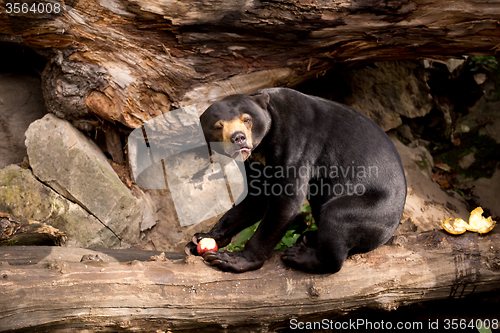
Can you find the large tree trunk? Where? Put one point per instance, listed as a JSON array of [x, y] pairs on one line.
[[127, 61], [49, 288]]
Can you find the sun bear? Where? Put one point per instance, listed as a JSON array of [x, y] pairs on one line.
[[298, 146]]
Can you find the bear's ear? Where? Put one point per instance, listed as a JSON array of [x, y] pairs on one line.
[[262, 100]]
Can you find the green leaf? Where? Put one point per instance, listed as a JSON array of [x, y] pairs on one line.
[[281, 246], [246, 234], [482, 329], [288, 240], [291, 240], [306, 208], [443, 166], [313, 227], [231, 248]]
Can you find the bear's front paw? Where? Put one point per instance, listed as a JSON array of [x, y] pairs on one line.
[[231, 261]]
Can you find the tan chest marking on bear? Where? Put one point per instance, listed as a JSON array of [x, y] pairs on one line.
[[258, 157]]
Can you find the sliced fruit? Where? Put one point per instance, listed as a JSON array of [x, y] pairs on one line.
[[455, 226], [480, 224], [206, 244]]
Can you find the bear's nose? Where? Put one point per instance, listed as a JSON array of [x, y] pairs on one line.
[[239, 138]]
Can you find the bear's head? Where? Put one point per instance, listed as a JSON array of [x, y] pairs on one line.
[[241, 121]]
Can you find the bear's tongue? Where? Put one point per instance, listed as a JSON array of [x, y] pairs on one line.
[[245, 152]]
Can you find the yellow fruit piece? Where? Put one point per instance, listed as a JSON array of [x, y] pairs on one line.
[[478, 223], [455, 226]]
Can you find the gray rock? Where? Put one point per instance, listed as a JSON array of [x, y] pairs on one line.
[[490, 111], [453, 64], [484, 117], [485, 111], [167, 234], [486, 191], [467, 160], [72, 165], [22, 195], [404, 131], [21, 103], [426, 203], [480, 78], [171, 152], [389, 91]]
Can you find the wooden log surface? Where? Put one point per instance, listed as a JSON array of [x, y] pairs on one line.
[[58, 292]]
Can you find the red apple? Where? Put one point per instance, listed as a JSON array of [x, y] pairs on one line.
[[206, 244]]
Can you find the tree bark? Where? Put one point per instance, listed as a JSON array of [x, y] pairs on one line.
[[127, 61], [15, 231], [58, 292]]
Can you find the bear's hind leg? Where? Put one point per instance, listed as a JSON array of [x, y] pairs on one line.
[[320, 258], [354, 224], [304, 254], [303, 258], [345, 225]]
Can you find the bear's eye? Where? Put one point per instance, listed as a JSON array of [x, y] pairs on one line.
[[218, 127], [247, 120]]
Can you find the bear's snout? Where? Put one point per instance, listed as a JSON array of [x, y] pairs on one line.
[[238, 138]]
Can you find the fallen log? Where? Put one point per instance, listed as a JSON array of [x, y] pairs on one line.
[[127, 61], [59, 292], [14, 231]]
